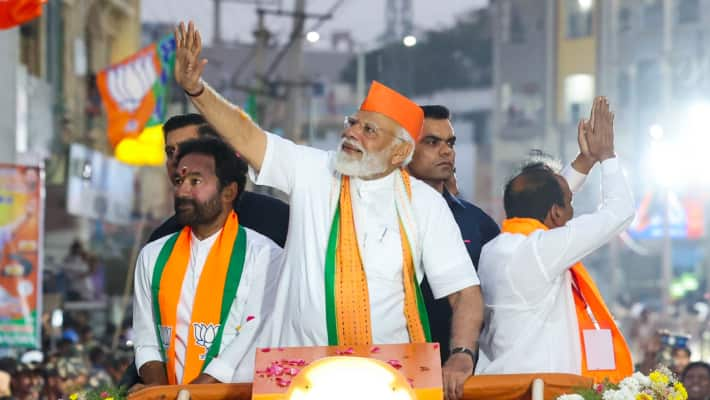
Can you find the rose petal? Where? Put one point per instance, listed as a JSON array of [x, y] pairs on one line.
[[265, 350], [395, 364], [375, 350], [250, 317], [283, 383]]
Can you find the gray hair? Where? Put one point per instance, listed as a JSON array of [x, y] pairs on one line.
[[406, 137]]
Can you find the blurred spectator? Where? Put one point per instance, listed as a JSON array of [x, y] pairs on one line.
[[86, 337], [118, 365], [651, 350], [98, 375], [680, 359], [96, 279], [7, 367], [696, 379], [4, 385], [65, 347], [643, 329], [23, 382], [76, 268], [53, 383], [73, 373]]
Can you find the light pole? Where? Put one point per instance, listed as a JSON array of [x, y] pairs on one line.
[[659, 159], [361, 75]]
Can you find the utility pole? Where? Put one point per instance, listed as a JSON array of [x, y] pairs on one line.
[[293, 52], [667, 74], [217, 23], [294, 120], [261, 38]]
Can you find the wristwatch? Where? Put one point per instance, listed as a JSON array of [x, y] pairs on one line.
[[465, 350]]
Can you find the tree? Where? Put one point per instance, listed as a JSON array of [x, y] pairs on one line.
[[454, 58]]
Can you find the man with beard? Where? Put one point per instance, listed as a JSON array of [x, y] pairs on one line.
[[199, 293], [362, 233], [264, 214], [433, 162]]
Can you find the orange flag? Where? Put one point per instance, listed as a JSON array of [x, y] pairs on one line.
[[17, 12], [126, 89]]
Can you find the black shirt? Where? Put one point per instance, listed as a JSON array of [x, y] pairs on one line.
[[477, 228], [261, 213]]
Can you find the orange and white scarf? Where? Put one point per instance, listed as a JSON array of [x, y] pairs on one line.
[[588, 300], [347, 296], [216, 291]]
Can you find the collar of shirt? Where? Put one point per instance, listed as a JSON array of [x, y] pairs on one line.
[[452, 200], [195, 242], [361, 186]]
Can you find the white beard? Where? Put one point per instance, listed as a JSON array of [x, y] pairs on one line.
[[370, 164]]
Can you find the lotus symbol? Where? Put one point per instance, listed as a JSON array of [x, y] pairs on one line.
[[166, 335], [204, 335], [129, 83]]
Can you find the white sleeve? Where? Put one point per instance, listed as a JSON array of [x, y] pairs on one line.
[[558, 249], [284, 162], [446, 262], [574, 178], [236, 361], [145, 341]]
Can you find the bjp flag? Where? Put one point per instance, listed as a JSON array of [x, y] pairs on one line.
[[17, 12], [134, 91]]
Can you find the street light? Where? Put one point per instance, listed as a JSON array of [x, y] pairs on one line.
[[585, 5], [409, 41], [677, 162], [313, 36]]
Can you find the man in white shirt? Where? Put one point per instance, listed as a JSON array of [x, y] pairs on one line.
[[534, 285], [362, 233], [202, 290]]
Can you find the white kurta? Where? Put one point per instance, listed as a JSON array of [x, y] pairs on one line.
[[530, 317], [306, 175], [235, 362]]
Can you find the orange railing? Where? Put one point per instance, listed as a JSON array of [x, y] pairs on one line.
[[488, 387]]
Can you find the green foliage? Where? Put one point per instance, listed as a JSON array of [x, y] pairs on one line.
[[102, 393]]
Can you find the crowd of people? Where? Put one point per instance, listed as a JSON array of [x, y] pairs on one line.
[[77, 361]]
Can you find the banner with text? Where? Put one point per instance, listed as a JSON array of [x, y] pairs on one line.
[[21, 236]]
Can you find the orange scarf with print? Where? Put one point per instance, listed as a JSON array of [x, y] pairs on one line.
[[351, 323], [206, 309], [587, 299]]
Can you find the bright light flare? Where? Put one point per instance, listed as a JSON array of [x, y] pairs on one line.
[[678, 159], [585, 5], [696, 121], [409, 41], [313, 36], [349, 378]]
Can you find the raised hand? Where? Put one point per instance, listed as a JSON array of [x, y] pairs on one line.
[[585, 159], [601, 137], [188, 66]]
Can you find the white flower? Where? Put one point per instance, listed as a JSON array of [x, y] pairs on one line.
[[642, 379], [570, 397], [624, 393], [630, 383]]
